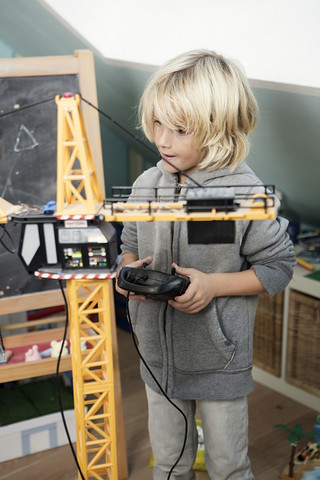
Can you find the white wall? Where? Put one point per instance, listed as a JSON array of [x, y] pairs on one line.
[[275, 40]]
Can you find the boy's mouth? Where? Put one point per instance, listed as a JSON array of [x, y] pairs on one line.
[[168, 157]]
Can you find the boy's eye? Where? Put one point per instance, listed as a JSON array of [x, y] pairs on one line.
[[156, 122], [180, 131]]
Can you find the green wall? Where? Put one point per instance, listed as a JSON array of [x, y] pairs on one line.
[[115, 159], [286, 149]]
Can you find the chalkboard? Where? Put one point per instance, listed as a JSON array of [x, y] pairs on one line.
[[28, 145]]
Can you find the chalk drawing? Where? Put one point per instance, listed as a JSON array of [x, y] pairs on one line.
[[25, 140]]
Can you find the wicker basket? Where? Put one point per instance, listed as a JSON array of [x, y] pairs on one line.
[[267, 339], [303, 355]]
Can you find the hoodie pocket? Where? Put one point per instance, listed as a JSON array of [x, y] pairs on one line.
[[199, 344], [147, 321]]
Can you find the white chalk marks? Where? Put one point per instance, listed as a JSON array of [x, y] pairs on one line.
[[25, 140]]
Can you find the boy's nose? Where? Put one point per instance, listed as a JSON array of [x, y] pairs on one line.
[[165, 137]]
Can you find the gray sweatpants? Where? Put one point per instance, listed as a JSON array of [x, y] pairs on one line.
[[225, 429]]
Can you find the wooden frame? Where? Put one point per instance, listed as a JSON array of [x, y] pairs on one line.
[[82, 64]]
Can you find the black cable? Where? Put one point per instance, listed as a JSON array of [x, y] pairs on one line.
[[122, 127], [10, 238], [27, 106], [137, 139], [58, 381], [2, 349], [1, 341], [160, 388]]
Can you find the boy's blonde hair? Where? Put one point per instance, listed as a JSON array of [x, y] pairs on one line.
[[208, 96]]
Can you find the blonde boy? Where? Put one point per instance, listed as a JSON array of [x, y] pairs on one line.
[[198, 109]]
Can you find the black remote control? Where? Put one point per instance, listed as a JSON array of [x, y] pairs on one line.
[[152, 283]]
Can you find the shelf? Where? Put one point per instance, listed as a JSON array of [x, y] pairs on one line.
[[13, 371], [303, 284], [306, 286]]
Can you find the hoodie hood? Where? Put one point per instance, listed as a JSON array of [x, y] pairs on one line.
[[203, 177]]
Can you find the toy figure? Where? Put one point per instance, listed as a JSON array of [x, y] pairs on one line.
[[56, 347], [307, 453], [294, 435], [32, 354]]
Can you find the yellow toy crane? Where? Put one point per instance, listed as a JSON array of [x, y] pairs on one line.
[[90, 313], [80, 247], [66, 236], [77, 186]]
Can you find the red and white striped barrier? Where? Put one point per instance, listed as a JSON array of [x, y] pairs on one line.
[[76, 217], [75, 276]]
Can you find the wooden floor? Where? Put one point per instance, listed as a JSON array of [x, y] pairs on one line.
[[269, 448]]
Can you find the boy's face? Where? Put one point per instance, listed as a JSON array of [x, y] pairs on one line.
[[178, 148]]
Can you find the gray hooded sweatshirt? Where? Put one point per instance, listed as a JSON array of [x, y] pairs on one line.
[[206, 355]]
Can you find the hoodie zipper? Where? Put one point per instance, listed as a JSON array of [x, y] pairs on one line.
[[177, 191]]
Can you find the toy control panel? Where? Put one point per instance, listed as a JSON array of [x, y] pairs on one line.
[[152, 283]]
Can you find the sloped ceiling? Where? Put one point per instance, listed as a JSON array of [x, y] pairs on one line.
[[267, 36]]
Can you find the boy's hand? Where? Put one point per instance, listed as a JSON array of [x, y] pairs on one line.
[[206, 286], [131, 261], [198, 294]]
